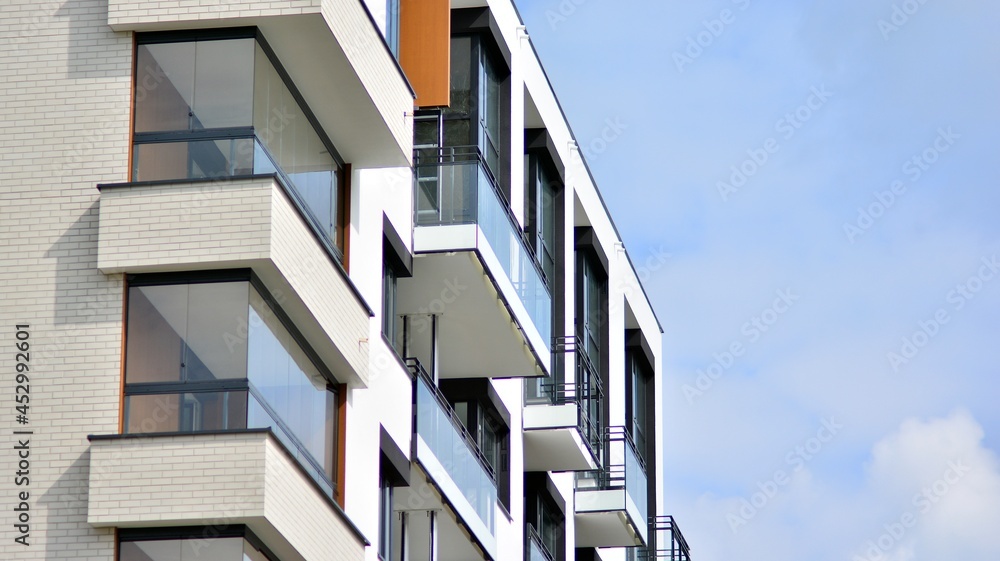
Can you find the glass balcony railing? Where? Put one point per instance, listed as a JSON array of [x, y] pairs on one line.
[[535, 550], [454, 187], [624, 469], [454, 448]]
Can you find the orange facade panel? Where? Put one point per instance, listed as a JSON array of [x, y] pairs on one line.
[[425, 49]]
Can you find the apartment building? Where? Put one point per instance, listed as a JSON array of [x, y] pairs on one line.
[[311, 280]]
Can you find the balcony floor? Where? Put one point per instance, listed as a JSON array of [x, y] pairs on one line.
[[477, 335]]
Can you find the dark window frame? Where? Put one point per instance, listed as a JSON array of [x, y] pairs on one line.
[[341, 181], [177, 533], [333, 387]]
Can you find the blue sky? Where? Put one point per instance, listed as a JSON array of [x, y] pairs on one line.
[[867, 132]]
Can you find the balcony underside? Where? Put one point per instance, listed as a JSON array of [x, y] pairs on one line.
[[552, 440], [232, 224], [484, 330], [331, 51], [455, 543], [217, 479], [607, 518]]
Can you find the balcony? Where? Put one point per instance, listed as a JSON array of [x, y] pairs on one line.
[[244, 222], [451, 461], [332, 51], [535, 550], [562, 421], [141, 481], [611, 504], [668, 543], [472, 258]]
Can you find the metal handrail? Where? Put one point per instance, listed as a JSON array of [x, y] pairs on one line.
[[417, 371], [452, 155], [612, 476], [533, 536], [678, 549]]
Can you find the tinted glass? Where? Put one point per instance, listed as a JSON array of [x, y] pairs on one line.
[[290, 383], [186, 333], [186, 412], [193, 160], [294, 144], [200, 549], [194, 85], [223, 84], [164, 86], [461, 75]]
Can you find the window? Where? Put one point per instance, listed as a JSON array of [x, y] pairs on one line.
[[544, 518], [389, 318], [475, 116], [384, 518], [214, 354], [191, 544], [215, 107], [637, 410], [541, 199], [592, 293], [487, 427], [392, 26]]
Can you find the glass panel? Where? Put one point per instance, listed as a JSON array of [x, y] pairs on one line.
[[157, 327], [216, 335], [185, 412], [260, 416], [193, 160], [635, 482], [164, 86], [425, 132], [444, 439], [294, 145], [290, 383], [223, 84], [223, 549], [461, 75], [166, 550], [465, 195], [191, 549]]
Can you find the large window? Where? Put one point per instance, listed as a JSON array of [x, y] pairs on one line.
[[384, 517], [637, 409], [591, 295], [192, 544], [221, 107], [214, 354], [475, 116], [541, 207]]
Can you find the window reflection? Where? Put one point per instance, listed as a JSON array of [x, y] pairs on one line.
[[184, 340], [229, 90]]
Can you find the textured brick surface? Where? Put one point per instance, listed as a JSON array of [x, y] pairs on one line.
[[212, 480], [248, 223]]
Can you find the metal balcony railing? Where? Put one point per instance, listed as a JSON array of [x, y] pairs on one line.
[[535, 549], [670, 544], [586, 392], [455, 186], [624, 469], [452, 445]]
